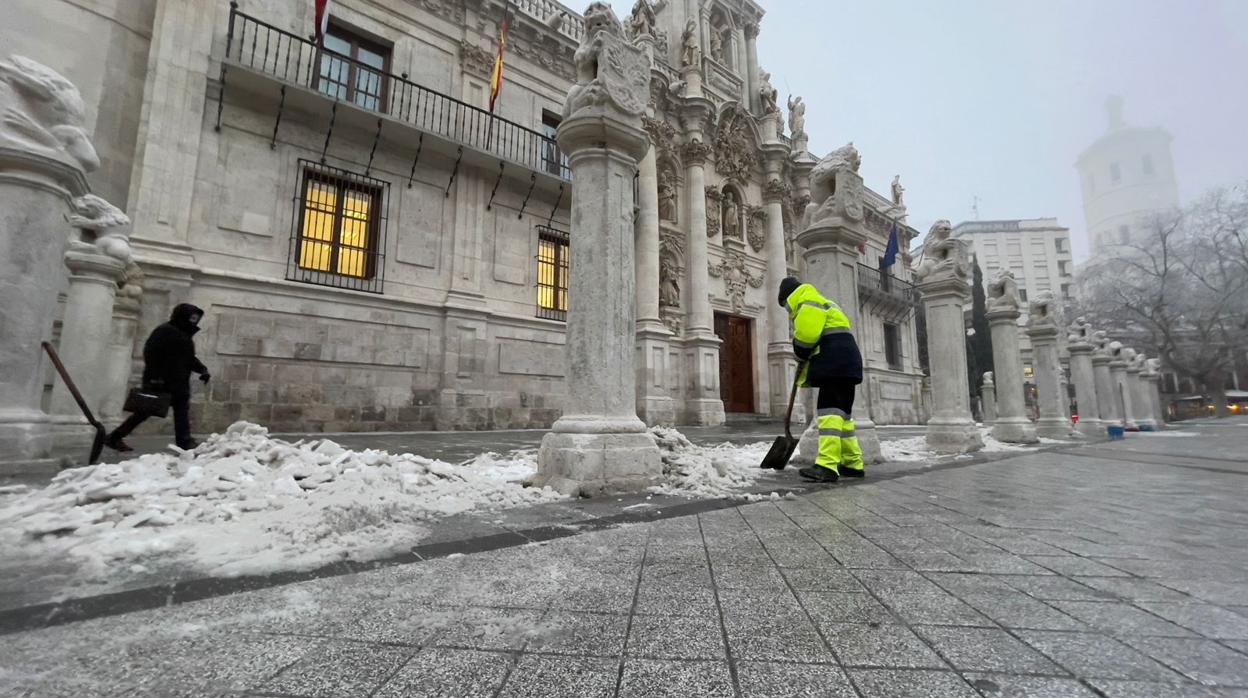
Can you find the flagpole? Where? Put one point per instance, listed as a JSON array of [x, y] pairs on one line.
[[497, 74]]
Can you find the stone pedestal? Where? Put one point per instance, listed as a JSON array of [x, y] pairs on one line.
[[988, 397], [1012, 424], [119, 358], [1120, 392], [44, 156], [1153, 379], [599, 445], [951, 429], [1141, 402], [1084, 376], [1052, 423], [1106, 397], [830, 248]]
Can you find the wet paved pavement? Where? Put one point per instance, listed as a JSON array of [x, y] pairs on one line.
[[1093, 571]]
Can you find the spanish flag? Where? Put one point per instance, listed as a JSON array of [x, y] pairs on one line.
[[322, 21], [496, 76]]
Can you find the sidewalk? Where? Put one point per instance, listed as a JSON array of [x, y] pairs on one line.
[[1103, 570]]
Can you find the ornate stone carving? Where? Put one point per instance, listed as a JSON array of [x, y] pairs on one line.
[[102, 227], [131, 284], [642, 21], [751, 30], [756, 228], [690, 51], [734, 146], [611, 74], [843, 157], [662, 135], [797, 118], [43, 113], [1080, 331], [731, 217], [737, 276], [898, 191], [1042, 312], [835, 187], [671, 268], [767, 95], [1100, 341], [713, 199], [668, 209], [774, 190], [717, 46], [695, 152], [1003, 292], [944, 255], [475, 61]]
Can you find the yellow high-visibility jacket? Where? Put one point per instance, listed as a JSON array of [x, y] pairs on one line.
[[822, 332]]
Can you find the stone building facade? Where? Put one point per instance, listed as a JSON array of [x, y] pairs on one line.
[[377, 251]]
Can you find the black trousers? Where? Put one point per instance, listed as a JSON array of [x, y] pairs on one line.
[[181, 406], [838, 393]]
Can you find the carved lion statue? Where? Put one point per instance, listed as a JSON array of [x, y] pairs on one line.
[[1100, 340], [610, 71], [43, 113], [1138, 362], [1115, 350], [943, 253], [1127, 354], [1080, 331], [823, 181], [988, 378], [1003, 292], [1042, 310], [1153, 366], [102, 226]]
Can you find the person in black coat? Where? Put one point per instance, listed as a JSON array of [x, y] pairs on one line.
[[168, 361]]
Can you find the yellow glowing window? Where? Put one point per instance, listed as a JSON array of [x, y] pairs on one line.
[[552, 274], [338, 234]]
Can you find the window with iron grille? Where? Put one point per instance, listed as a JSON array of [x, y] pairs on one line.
[[339, 229], [552, 273], [892, 345], [353, 69]]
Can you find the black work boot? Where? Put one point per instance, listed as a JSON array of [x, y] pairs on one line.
[[846, 471], [818, 473], [117, 444]]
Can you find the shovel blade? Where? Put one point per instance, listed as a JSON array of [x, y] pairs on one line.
[[779, 454]]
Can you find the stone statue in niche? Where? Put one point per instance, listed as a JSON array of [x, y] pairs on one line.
[[102, 227], [690, 52], [1003, 292], [717, 46], [768, 97], [898, 191], [731, 217], [943, 254], [42, 113], [667, 196], [1042, 311], [797, 117], [612, 75], [737, 276]]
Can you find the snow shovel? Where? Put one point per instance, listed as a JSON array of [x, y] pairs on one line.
[[782, 448], [97, 445]]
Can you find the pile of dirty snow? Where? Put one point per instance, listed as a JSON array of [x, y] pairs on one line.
[[707, 471], [246, 503]]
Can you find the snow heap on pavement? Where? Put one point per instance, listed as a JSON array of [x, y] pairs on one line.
[[246, 503], [713, 471]]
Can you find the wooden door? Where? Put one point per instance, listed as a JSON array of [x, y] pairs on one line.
[[736, 362]]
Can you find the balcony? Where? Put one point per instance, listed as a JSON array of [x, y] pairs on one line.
[[886, 295], [258, 54]]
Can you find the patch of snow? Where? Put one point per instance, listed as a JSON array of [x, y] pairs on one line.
[[246, 503], [992, 445], [707, 471], [911, 449], [1169, 433]]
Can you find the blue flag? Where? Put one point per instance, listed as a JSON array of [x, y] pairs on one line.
[[890, 253]]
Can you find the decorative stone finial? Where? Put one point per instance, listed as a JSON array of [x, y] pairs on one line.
[[42, 113]]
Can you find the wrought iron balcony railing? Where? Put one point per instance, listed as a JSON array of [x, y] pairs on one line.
[[291, 59], [886, 294]]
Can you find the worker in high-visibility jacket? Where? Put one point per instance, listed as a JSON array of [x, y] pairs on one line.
[[824, 342]]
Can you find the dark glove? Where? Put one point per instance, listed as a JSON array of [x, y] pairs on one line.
[[803, 353], [205, 378]]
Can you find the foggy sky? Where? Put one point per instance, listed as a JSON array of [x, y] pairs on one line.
[[996, 99]]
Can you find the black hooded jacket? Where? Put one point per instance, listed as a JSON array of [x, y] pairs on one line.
[[169, 354]]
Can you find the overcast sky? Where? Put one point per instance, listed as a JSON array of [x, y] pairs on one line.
[[995, 99]]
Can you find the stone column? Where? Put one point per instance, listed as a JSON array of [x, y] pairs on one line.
[[1107, 403], [44, 157], [1084, 376], [704, 406], [654, 406], [781, 362], [1043, 334], [943, 283], [1012, 424], [1118, 385], [599, 444], [751, 67], [1141, 401], [833, 231], [988, 393], [119, 359]]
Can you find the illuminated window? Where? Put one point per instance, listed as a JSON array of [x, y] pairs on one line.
[[1027, 372], [353, 69], [338, 237], [552, 274]]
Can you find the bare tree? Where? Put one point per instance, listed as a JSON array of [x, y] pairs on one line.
[[1180, 288]]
